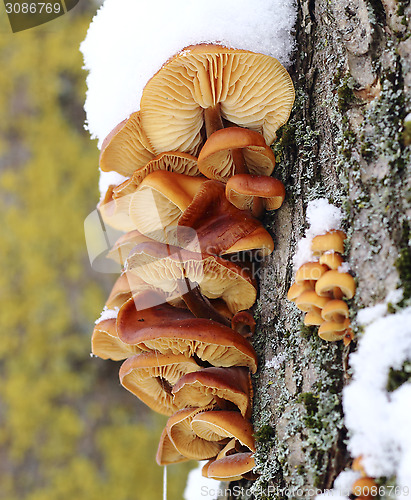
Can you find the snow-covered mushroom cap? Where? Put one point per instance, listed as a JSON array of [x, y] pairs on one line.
[[204, 82]]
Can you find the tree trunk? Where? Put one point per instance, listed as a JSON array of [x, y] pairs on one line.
[[344, 141]]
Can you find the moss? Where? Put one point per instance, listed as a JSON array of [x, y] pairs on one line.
[[264, 433], [310, 402], [398, 377], [346, 96], [307, 332], [403, 263]]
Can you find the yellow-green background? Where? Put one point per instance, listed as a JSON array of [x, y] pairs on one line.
[[67, 428]]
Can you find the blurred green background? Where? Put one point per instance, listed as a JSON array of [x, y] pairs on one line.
[[67, 428]]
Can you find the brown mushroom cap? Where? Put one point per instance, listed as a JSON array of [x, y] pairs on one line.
[[126, 147], [211, 342], [217, 425], [215, 386], [332, 280], [193, 212], [232, 467], [164, 266], [251, 90], [167, 453], [246, 191], [185, 440], [216, 161], [331, 241], [151, 376], [222, 228], [105, 342]]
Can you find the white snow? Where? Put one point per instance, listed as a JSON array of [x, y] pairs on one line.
[[379, 421], [129, 40], [199, 487], [322, 217], [108, 179], [107, 314]]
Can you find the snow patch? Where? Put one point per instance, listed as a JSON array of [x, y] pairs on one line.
[[129, 40], [379, 420], [322, 217], [199, 487], [107, 314], [108, 179]]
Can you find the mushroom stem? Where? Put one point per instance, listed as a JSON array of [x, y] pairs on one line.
[[199, 305], [213, 120]]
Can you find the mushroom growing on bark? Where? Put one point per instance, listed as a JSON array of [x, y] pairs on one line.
[[126, 148], [204, 84], [235, 150]]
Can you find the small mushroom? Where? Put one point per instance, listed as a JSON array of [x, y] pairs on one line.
[[235, 150], [332, 260], [206, 83], [216, 425], [126, 148], [333, 330], [151, 377], [365, 487], [309, 300], [232, 467], [335, 283], [331, 241], [310, 271], [335, 310], [255, 193], [223, 387], [296, 289]]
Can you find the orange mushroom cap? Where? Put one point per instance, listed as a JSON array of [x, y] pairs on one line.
[[334, 280], [216, 161], [331, 241], [249, 192], [215, 386]]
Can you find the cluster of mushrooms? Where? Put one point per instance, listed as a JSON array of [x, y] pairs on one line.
[[197, 164], [321, 286]]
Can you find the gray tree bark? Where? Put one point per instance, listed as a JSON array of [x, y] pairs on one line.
[[345, 141]]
